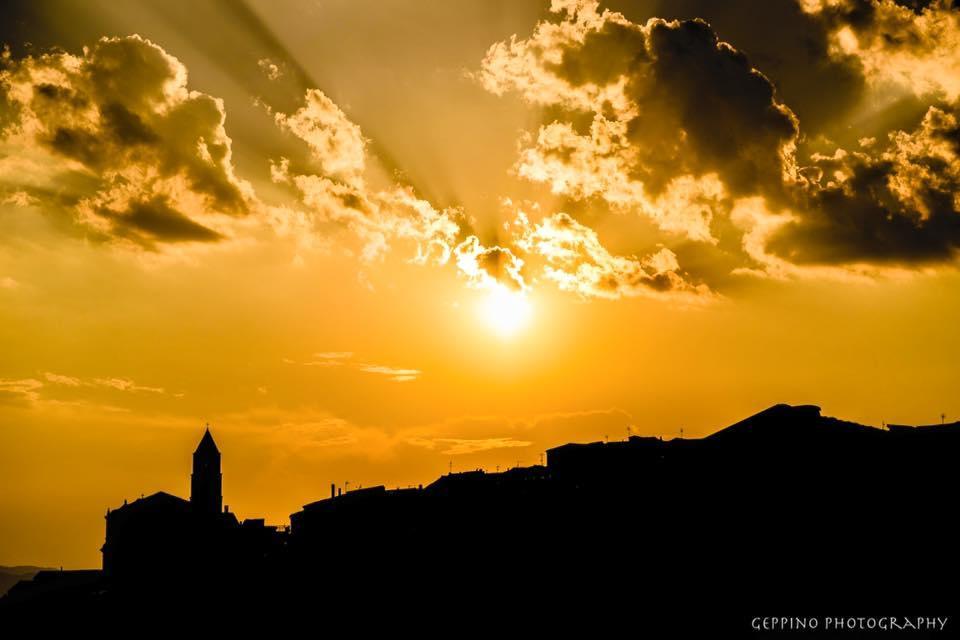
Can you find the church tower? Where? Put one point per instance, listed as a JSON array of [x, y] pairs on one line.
[[206, 481]]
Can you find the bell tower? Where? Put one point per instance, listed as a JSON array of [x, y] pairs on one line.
[[206, 481]]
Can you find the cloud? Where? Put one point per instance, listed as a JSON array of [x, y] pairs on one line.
[[333, 355], [560, 250], [576, 261], [119, 384], [271, 69], [116, 140], [540, 69], [125, 384], [481, 437], [665, 119], [908, 44], [20, 199], [662, 119], [335, 142], [34, 392], [487, 267], [337, 190], [57, 378], [760, 225], [668, 101], [476, 437], [397, 375], [891, 204], [345, 359], [463, 446], [17, 391], [603, 163]]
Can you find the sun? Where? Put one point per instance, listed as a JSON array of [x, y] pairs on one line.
[[506, 311]]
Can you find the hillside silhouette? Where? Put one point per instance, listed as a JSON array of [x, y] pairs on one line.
[[784, 511]]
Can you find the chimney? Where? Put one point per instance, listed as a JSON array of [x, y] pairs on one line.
[[333, 490], [339, 492], [226, 508]]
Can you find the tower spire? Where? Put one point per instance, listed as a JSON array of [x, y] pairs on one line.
[[206, 481]]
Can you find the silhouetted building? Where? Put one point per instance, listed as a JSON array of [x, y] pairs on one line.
[[206, 481], [147, 536], [792, 502], [163, 537]]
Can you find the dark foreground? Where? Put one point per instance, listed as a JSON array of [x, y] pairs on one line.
[[786, 519]]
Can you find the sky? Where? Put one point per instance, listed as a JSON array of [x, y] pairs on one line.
[[372, 241]]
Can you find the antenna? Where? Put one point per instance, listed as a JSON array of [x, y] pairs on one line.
[[450, 467], [943, 417], [681, 433]]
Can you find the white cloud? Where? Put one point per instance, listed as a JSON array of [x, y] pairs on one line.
[[576, 261], [345, 359], [25, 389], [271, 69], [118, 383]]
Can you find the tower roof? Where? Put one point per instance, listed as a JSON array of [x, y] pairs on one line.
[[207, 445]]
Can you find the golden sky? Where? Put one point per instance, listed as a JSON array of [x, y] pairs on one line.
[[368, 239]]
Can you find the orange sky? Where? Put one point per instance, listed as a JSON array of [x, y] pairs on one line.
[[366, 240]]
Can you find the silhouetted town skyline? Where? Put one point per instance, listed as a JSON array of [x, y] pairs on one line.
[[787, 484]]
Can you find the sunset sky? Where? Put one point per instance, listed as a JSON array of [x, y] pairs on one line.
[[368, 239]]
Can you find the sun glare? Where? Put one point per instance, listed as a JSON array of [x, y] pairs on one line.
[[506, 311]]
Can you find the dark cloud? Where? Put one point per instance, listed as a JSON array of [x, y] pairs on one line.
[[613, 50], [125, 126], [155, 220], [156, 155], [728, 110], [680, 123], [917, 6], [77, 144], [790, 47], [701, 105], [674, 108], [900, 205]]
